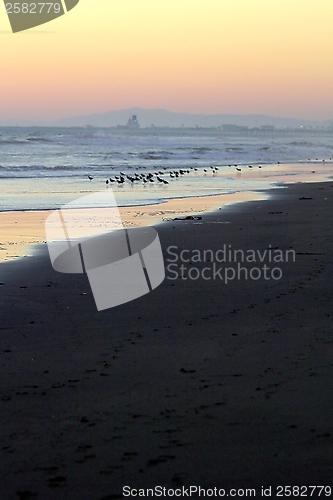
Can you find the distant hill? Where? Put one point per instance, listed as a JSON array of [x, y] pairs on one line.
[[163, 118]]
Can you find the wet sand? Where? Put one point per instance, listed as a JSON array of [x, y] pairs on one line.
[[197, 383], [20, 229]]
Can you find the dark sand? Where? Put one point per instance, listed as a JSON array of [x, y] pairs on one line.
[[197, 383]]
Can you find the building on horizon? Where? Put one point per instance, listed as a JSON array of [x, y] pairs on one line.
[[133, 122]]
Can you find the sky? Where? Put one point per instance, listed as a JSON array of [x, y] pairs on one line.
[[271, 57]]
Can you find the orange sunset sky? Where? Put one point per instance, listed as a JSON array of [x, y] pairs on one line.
[[200, 56]]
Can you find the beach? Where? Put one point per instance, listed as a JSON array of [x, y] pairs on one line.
[[200, 382]]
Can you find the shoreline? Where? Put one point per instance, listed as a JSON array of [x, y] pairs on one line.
[[236, 376], [25, 228], [142, 205]]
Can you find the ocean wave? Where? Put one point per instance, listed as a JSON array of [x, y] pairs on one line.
[[300, 143], [39, 139], [25, 140], [12, 141], [235, 149], [37, 167]]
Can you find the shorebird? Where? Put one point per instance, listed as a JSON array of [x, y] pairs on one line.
[[238, 169], [107, 181], [90, 178]]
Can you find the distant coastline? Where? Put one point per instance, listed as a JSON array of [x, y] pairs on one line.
[[223, 130], [160, 118]]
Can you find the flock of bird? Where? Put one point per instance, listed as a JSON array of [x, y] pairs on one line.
[[158, 177], [239, 168], [145, 178]]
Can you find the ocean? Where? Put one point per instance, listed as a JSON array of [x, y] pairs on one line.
[[43, 168]]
